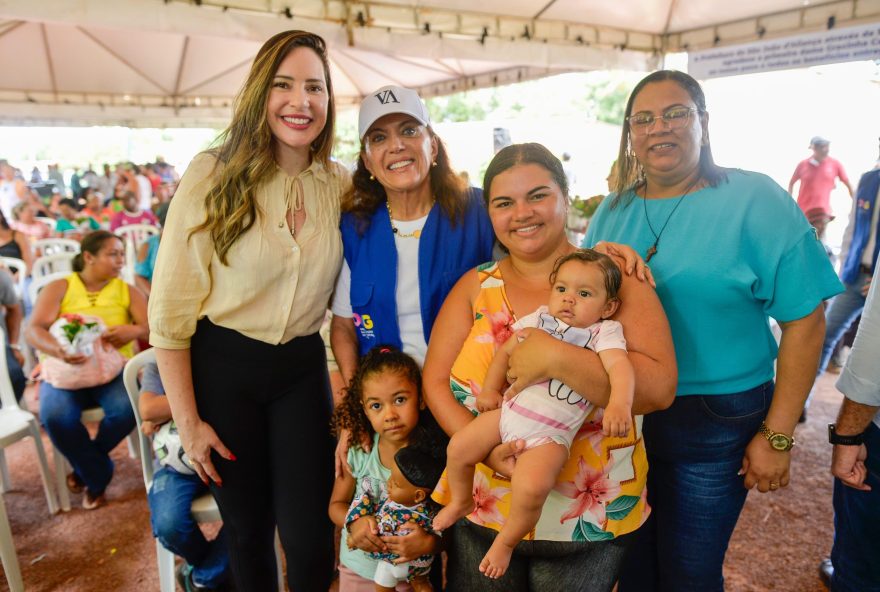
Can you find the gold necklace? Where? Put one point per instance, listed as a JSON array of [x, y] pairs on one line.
[[414, 234], [652, 250]]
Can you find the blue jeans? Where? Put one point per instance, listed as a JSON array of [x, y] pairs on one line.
[[842, 312], [16, 374], [856, 551], [60, 412], [170, 499], [695, 449]]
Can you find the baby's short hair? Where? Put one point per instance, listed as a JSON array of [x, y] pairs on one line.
[[609, 269]]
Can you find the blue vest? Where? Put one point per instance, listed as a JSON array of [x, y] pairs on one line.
[[446, 252], [866, 201]]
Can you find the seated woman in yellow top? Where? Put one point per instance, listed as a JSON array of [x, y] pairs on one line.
[[93, 289]]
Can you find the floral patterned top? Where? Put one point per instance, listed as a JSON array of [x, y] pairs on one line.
[[600, 492]]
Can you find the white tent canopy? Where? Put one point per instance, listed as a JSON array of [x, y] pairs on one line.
[[176, 62]]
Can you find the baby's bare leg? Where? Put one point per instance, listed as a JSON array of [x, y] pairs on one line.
[[468, 446], [534, 476]]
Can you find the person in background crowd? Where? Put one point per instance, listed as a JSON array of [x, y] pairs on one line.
[[730, 428], [15, 244], [75, 183], [242, 280], [860, 251], [150, 173], [145, 188], [146, 258], [56, 178], [106, 182], [89, 179], [91, 202], [11, 315], [132, 214], [71, 224], [94, 288], [25, 221], [817, 175], [855, 462], [12, 189], [36, 176], [205, 563]]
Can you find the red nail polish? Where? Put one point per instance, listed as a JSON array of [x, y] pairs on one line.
[[232, 456]]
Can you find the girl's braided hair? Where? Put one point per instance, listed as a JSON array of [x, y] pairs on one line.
[[349, 414]]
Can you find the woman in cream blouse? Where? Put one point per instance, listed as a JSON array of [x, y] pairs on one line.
[[245, 270]]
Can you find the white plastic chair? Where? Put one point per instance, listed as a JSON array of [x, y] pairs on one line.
[[138, 233], [50, 222], [52, 264], [39, 283], [53, 246], [16, 424], [204, 508], [133, 236], [18, 269], [7, 553]]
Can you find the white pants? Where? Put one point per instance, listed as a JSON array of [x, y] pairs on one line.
[[388, 574]]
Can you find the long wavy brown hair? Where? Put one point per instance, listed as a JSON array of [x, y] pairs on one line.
[[367, 194], [350, 414], [245, 149]]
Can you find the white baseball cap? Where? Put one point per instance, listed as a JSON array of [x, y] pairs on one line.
[[391, 99]]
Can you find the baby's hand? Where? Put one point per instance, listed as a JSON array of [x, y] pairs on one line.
[[488, 399], [616, 421]]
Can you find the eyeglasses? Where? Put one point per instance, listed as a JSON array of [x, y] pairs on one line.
[[641, 124]]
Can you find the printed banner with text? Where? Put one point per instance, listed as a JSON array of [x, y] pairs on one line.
[[813, 49]]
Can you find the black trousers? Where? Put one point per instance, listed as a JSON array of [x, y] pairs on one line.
[[270, 405]]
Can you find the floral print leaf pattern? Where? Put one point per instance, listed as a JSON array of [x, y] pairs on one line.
[[486, 501], [620, 507], [585, 531], [500, 324], [460, 392], [591, 489]]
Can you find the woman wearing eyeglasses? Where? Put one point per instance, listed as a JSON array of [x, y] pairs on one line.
[[728, 249]]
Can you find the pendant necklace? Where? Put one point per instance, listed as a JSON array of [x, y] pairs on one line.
[[652, 250], [414, 234]]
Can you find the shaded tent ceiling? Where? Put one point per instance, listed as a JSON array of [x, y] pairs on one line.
[[180, 62]]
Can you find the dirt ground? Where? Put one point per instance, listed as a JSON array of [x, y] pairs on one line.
[[778, 543]]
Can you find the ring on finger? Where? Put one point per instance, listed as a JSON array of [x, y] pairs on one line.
[[774, 485]]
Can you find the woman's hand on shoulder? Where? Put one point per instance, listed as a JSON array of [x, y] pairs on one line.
[[341, 455], [632, 261]]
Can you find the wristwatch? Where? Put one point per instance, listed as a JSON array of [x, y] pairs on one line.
[[835, 438], [777, 440]]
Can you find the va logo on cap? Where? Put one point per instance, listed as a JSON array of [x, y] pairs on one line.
[[387, 96]]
